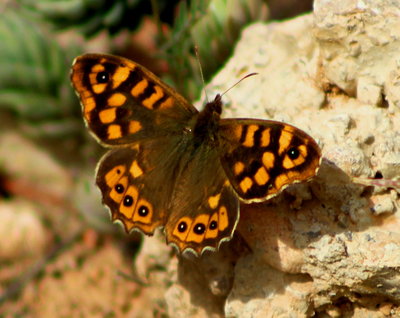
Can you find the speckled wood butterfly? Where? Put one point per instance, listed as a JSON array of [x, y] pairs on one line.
[[172, 166]]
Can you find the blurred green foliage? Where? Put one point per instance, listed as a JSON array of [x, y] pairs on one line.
[[34, 81], [92, 16]]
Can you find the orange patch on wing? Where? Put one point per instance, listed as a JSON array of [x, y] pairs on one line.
[[245, 184], [223, 221], [281, 181], [303, 154], [249, 140], [149, 102], [114, 195], [213, 201], [114, 132], [268, 159], [288, 163], [88, 105], [134, 126], [285, 139], [112, 177], [135, 170], [120, 75], [99, 88], [116, 100], [238, 168], [139, 87], [169, 102], [265, 137], [303, 150], [107, 115], [295, 175], [261, 177], [128, 211], [97, 68]]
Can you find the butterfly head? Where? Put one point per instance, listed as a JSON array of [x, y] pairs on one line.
[[208, 120]]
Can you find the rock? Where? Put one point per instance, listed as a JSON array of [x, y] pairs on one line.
[[202, 284], [22, 232], [260, 291], [91, 285], [329, 247]]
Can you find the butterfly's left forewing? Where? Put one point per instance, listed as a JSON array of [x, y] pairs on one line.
[[262, 157]]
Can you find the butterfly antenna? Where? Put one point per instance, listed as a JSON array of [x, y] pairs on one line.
[[248, 75], [156, 15], [196, 50]]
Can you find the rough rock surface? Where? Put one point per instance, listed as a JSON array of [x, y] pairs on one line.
[[331, 247]]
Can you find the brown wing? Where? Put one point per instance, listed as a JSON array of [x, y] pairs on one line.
[[128, 191], [166, 182], [204, 209], [262, 157], [123, 102]]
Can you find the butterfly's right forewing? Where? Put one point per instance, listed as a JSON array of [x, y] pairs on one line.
[[122, 102]]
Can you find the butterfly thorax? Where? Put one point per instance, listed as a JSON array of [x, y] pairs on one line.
[[206, 125]]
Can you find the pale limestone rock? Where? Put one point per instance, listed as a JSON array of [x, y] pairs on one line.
[[261, 291], [22, 234], [330, 247], [200, 285]]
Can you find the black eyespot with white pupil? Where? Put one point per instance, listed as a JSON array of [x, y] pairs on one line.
[[182, 227], [119, 188], [213, 225], [143, 210], [199, 228], [102, 77], [128, 201], [293, 153]]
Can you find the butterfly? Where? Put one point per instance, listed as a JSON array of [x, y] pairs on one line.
[[174, 167]]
